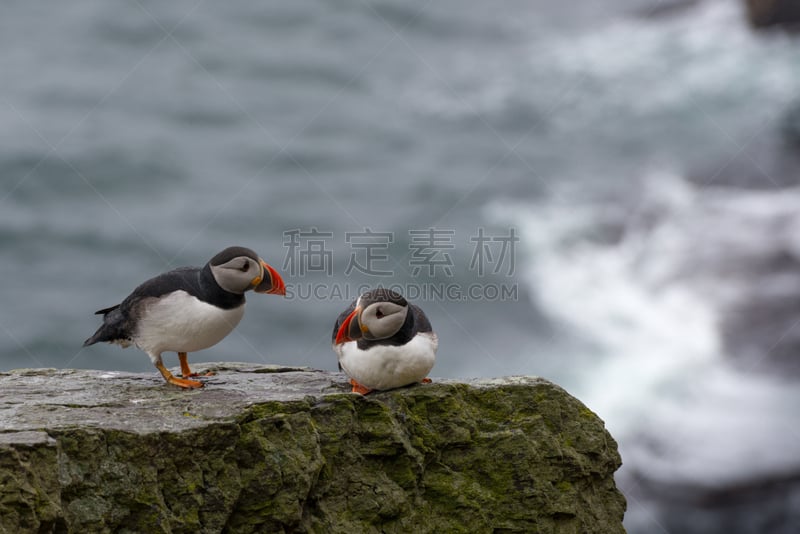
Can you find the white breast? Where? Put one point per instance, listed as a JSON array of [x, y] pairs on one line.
[[387, 367], [180, 322]]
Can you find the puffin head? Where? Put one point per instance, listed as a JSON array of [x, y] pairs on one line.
[[379, 314], [239, 269]]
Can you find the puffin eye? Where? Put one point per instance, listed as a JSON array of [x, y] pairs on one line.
[[245, 267], [379, 313]]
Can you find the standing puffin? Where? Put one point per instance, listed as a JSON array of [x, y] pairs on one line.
[[383, 342], [188, 309]]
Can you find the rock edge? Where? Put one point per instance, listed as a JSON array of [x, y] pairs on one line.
[[276, 449]]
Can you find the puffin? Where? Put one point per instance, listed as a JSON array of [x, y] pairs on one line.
[[383, 342], [187, 309]]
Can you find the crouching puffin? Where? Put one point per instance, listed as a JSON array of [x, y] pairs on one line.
[[383, 342], [188, 309]]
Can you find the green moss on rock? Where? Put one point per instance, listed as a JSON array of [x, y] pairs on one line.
[[291, 451]]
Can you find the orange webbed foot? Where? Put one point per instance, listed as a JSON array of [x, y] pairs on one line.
[[186, 372], [180, 382], [199, 375], [184, 383], [358, 388], [426, 380]]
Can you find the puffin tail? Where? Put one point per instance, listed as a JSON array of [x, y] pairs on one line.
[[110, 331], [103, 333], [108, 334], [94, 339]]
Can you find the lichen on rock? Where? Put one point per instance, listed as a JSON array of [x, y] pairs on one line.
[[291, 451]]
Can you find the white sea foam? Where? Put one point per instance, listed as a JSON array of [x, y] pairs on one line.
[[703, 52], [648, 282], [630, 68]]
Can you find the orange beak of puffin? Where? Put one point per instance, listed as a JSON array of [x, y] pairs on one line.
[[350, 329], [271, 283]]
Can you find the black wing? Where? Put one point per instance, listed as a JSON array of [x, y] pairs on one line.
[[183, 278], [119, 321], [420, 319]]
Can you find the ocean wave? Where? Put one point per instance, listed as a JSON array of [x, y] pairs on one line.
[[653, 281]]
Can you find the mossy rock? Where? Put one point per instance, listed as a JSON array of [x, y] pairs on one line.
[[266, 449]]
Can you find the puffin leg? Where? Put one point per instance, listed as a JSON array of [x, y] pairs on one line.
[[181, 382], [426, 380], [358, 388], [186, 372]]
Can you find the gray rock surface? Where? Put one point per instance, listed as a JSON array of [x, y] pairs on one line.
[[275, 449]]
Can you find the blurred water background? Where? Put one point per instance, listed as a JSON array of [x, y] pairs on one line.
[[616, 182]]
